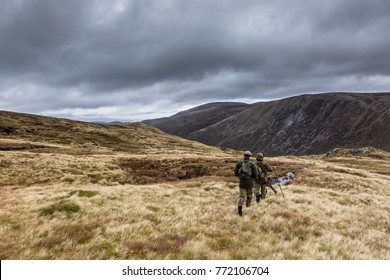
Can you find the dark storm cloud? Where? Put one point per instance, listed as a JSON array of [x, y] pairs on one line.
[[59, 55]]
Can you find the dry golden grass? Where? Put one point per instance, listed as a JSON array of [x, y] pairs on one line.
[[182, 205]]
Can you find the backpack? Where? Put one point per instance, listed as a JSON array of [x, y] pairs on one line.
[[245, 171]]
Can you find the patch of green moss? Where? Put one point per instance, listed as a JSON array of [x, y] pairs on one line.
[[62, 206]]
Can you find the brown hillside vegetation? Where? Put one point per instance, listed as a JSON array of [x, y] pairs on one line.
[[300, 125], [184, 123], [168, 198]]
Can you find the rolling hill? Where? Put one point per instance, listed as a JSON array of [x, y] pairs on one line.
[[25, 132]]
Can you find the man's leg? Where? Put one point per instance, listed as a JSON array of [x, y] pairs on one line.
[[241, 200], [249, 192], [263, 191], [256, 191]]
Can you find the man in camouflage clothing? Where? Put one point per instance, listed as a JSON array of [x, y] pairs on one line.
[[262, 181], [246, 171]]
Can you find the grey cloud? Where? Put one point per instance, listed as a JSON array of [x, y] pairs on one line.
[[116, 52]]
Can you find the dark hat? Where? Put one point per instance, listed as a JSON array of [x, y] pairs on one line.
[[259, 156]]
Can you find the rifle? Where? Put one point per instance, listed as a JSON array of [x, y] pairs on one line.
[[279, 184], [272, 188], [264, 180]]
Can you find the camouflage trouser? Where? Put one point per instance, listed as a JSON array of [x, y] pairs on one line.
[[257, 187], [245, 193]]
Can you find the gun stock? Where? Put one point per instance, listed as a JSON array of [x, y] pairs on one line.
[[272, 188]]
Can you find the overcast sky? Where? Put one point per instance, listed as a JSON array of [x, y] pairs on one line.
[[131, 60]]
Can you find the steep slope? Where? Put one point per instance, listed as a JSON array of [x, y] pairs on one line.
[[186, 122], [307, 124]]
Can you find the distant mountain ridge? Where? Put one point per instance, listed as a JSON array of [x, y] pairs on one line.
[[300, 125], [189, 121]]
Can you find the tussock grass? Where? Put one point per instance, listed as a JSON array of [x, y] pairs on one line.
[[182, 205]]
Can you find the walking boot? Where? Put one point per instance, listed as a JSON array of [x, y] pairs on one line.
[[258, 197], [248, 203], [240, 210]]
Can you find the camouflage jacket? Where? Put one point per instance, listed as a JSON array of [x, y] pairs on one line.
[[249, 182], [264, 168]]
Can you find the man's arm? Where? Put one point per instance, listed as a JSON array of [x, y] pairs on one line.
[[269, 167], [236, 169]]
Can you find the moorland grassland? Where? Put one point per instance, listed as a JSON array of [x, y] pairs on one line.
[[168, 198]]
